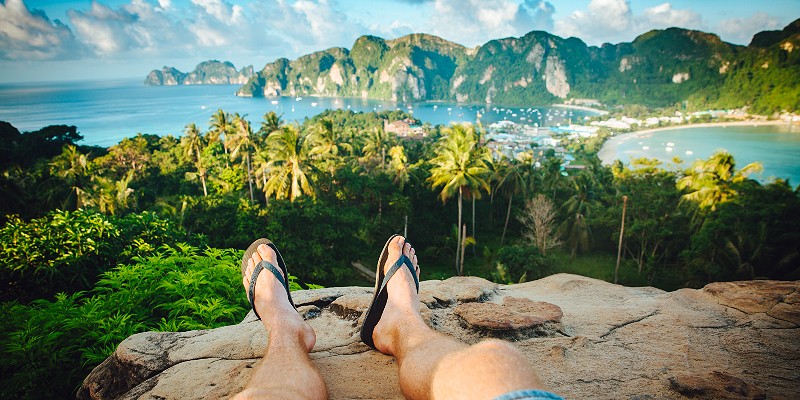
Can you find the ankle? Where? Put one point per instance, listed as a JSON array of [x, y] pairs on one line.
[[290, 330]]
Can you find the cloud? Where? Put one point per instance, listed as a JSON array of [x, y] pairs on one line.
[[30, 35], [473, 22], [614, 21], [222, 11], [305, 26], [138, 28], [741, 30], [665, 16]]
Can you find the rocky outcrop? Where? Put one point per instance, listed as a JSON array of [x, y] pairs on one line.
[[166, 76], [587, 339], [211, 72]]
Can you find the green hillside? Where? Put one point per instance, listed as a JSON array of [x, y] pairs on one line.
[[659, 68]]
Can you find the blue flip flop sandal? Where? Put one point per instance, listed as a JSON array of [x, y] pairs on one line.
[[381, 291], [280, 271]]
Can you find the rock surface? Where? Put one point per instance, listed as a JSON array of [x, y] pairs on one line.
[[587, 339]]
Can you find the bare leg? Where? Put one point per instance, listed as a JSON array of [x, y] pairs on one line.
[[286, 372], [433, 365]]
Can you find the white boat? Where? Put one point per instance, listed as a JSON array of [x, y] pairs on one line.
[[314, 104], [689, 152], [274, 102], [298, 98], [668, 149], [645, 147]]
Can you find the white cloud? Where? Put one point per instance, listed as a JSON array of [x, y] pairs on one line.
[[473, 22], [31, 35], [305, 26], [137, 27], [164, 5], [605, 20], [665, 16], [741, 30], [614, 21], [222, 11]]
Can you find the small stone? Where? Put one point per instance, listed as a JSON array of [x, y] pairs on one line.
[[459, 289], [308, 312], [715, 385], [523, 316], [351, 306], [752, 296]]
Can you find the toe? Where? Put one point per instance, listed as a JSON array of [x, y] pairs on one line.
[[266, 253]]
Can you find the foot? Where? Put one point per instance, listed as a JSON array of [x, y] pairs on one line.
[[402, 305], [278, 316]]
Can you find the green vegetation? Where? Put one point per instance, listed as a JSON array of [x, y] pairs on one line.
[[662, 68], [99, 244]]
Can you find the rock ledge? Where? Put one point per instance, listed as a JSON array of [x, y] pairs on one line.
[[587, 339]]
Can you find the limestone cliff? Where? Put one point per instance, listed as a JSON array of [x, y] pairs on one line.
[[211, 72], [588, 339]]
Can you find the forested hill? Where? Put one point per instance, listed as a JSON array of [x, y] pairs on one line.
[[659, 68], [210, 72]]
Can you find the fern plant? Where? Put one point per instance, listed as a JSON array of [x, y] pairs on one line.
[[178, 288]]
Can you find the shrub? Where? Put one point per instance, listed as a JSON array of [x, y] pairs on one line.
[[65, 251], [178, 288], [521, 260]]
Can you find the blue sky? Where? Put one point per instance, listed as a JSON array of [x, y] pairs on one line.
[[107, 39]]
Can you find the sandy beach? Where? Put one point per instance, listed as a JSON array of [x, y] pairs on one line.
[[609, 150]]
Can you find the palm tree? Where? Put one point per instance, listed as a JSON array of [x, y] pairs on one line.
[[325, 144], [272, 123], [510, 177], [288, 169], [460, 165], [73, 167], [578, 208], [192, 143], [221, 126], [377, 144], [262, 168], [242, 141], [710, 182]]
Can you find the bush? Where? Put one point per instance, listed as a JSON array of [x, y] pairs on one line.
[[519, 263], [178, 288], [65, 251]]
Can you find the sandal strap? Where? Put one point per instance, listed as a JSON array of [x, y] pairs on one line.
[[403, 260], [251, 294]]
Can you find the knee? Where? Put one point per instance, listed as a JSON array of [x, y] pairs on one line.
[[249, 394], [497, 349]]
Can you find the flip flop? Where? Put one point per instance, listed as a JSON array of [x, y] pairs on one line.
[[279, 271], [381, 291]]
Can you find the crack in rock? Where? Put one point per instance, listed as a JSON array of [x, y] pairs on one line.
[[624, 324]]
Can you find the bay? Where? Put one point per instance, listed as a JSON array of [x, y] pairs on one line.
[[776, 147], [105, 112]]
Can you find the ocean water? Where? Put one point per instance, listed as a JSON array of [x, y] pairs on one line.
[[776, 147], [108, 111]]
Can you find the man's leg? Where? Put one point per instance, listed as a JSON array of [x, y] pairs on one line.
[[433, 365], [286, 371]]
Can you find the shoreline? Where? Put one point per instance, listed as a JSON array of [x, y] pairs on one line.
[[608, 152], [582, 108]]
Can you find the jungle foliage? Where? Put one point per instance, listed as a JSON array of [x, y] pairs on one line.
[[99, 244]]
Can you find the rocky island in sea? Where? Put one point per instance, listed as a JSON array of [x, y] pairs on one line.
[[660, 68], [210, 72]]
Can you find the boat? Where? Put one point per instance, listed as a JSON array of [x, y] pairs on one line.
[[274, 102], [314, 104], [298, 98]]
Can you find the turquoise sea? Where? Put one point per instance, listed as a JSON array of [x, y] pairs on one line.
[[106, 112], [776, 147]]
